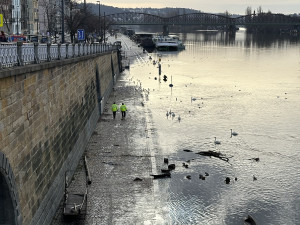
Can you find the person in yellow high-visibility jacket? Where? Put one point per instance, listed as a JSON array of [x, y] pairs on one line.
[[114, 109], [123, 109]]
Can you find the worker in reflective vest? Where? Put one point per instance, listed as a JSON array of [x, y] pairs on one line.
[[114, 109], [123, 109]]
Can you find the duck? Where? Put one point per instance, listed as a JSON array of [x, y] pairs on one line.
[[233, 133], [254, 178], [167, 114], [179, 118], [227, 180], [217, 142]]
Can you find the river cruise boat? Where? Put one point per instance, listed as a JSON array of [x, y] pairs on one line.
[[168, 43]]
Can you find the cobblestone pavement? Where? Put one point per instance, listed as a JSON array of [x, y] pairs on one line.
[[118, 152]]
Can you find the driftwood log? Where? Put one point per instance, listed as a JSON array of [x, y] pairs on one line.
[[214, 154]]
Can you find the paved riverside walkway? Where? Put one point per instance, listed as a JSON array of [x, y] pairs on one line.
[[118, 152]]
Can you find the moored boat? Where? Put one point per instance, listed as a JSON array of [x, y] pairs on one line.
[[168, 43]]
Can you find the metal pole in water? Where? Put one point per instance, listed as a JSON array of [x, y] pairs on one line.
[[159, 69]]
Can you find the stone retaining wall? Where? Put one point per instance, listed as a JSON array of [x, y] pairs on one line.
[[47, 115]]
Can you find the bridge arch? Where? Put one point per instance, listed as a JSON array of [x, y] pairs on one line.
[[206, 19], [200, 19], [9, 201], [133, 18]]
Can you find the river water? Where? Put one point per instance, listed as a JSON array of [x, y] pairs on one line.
[[245, 83]]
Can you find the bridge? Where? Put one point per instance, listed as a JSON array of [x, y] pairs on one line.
[[203, 19]]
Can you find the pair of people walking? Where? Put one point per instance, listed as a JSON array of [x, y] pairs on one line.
[[114, 109]]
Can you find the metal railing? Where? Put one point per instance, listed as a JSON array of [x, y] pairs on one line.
[[20, 54]]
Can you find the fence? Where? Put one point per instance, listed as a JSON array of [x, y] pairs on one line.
[[20, 54]]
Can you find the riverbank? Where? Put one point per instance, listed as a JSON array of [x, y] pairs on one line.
[[119, 152]]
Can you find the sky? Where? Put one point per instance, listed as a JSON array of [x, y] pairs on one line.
[[211, 6]]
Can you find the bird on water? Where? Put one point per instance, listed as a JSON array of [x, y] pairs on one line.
[[217, 142]]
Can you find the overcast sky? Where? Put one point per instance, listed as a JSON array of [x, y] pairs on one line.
[[211, 6]]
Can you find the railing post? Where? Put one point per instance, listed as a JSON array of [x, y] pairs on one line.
[[83, 46], [79, 49], [58, 51], [19, 53], [36, 53], [73, 51], [67, 50], [48, 52]]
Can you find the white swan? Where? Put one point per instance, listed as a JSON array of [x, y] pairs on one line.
[[217, 142], [233, 133]]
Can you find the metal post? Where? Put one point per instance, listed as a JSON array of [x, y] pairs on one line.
[[99, 20], [59, 51], [48, 52], [19, 53], [36, 53], [17, 22], [104, 28], [67, 50], [62, 21]]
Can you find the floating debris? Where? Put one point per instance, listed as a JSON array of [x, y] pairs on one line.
[[201, 177], [187, 150], [249, 219], [165, 170], [171, 166], [214, 154], [163, 175], [254, 159]]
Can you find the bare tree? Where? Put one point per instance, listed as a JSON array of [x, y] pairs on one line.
[[5, 6], [248, 10], [259, 10], [50, 10]]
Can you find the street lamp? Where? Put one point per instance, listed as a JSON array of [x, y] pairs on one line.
[[99, 20], [62, 21]]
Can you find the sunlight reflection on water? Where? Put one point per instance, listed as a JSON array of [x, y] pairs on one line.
[[251, 88]]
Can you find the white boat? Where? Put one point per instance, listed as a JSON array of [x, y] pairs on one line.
[[168, 43]]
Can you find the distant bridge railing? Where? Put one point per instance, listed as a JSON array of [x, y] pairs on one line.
[[133, 18], [19, 54]]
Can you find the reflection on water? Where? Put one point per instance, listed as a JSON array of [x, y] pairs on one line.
[[250, 84]]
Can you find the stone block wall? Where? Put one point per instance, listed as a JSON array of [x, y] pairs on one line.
[[47, 115]]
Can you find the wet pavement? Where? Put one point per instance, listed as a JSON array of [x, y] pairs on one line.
[[120, 157]]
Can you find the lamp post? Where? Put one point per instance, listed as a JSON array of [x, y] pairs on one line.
[[104, 29], [17, 22], [62, 21], [99, 20]]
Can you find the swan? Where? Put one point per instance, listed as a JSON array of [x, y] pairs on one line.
[[233, 133], [217, 142]]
